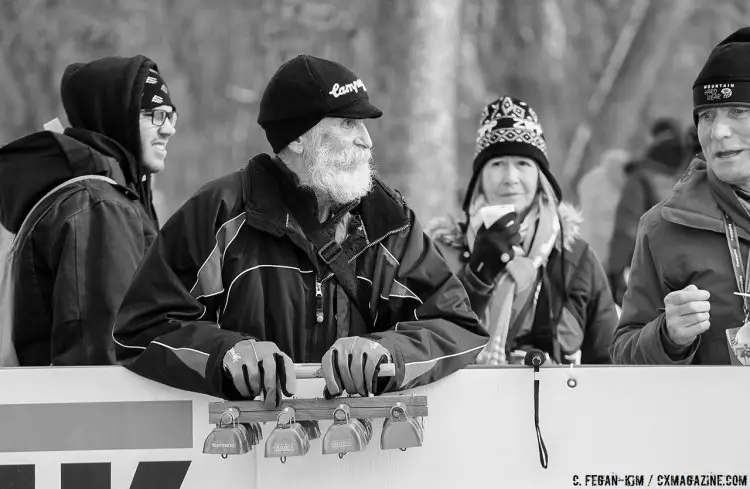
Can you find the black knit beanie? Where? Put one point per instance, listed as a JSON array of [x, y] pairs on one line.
[[306, 89], [155, 92], [725, 78], [509, 127]]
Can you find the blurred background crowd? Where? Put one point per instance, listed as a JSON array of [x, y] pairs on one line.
[[610, 80]]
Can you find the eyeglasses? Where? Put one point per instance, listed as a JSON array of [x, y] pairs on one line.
[[159, 117]]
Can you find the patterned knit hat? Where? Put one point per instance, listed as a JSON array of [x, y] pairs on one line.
[[509, 127], [155, 92]]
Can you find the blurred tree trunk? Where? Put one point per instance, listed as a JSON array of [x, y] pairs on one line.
[[419, 48], [614, 125]]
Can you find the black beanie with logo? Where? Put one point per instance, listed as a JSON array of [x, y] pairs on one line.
[[725, 78], [155, 92], [306, 89]]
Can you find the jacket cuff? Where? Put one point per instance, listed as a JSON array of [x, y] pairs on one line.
[[222, 384], [475, 283], [388, 384], [671, 351]]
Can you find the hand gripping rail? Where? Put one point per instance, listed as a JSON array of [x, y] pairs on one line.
[[321, 409]]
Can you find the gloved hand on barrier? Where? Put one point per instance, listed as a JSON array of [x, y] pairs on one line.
[[259, 367], [352, 365]]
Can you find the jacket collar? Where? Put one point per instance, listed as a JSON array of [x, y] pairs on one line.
[[452, 233], [124, 162], [699, 198], [38, 162], [272, 187]]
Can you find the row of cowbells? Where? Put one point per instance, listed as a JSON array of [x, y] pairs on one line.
[[291, 438]]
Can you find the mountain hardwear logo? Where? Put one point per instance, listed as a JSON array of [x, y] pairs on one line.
[[717, 91]]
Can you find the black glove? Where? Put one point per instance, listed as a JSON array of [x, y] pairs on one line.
[[352, 364], [259, 367], [493, 247]]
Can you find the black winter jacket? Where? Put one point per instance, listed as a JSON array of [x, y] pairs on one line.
[[233, 263], [74, 265], [574, 300]]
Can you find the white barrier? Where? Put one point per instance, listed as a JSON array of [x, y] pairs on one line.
[[87, 428]]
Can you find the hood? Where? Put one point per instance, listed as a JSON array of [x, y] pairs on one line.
[[104, 97], [451, 232], [35, 164], [691, 203], [699, 198]]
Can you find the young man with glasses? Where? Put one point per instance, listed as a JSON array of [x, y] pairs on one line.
[[80, 205]]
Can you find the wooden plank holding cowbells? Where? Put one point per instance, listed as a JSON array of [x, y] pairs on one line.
[[238, 423]]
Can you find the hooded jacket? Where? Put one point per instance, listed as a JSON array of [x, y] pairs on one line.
[[681, 241], [649, 181], [573, 283], [73, 263], [104, 97], [232, 264]]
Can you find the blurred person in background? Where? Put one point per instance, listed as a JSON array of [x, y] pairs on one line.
[[304, 256], [531, 279], [688, 263], [649, 181], [84, 200], [599, 193], [692, 145]]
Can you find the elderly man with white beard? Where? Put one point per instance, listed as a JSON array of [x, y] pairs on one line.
[[305, 257]]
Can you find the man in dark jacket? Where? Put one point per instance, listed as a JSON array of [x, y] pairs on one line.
[[300, 257], [80, 206], [688, 263], [648, 181]]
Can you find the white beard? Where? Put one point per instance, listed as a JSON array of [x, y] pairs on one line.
[[340, 175]]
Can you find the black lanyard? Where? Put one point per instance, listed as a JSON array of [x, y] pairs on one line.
[[734, 250]]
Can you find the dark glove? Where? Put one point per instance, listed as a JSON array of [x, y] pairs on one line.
[[352, 364], [259, 367], [493, 247]]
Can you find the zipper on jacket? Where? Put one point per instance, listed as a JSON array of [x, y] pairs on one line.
[[319, 317], [370, 245]]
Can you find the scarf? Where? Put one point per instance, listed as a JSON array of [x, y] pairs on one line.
[[514, 301]]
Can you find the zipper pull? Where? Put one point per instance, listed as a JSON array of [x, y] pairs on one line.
[[318, 302]]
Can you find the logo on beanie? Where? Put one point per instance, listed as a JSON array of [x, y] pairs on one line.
[[718, 91], [487, 127], [155, 92], [527, 125], [338, 90]]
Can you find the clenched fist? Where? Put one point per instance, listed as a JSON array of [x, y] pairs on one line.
[[687, 314]]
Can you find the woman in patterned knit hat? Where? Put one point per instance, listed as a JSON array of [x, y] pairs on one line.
[[531, 279]]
